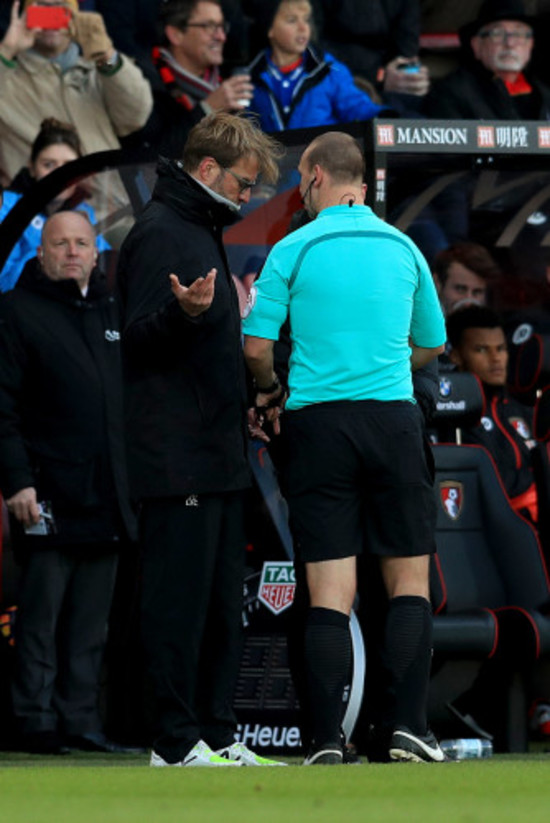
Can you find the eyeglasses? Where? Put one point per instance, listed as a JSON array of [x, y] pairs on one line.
[[210, 27], [501, 35], [244, 184]]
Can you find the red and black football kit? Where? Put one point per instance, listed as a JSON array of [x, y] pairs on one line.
[[505, 431]]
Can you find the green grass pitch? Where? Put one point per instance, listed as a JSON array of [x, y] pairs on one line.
[[99, 789]]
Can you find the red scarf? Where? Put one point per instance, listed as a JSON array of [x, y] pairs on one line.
[[518, 86], [187, 89]]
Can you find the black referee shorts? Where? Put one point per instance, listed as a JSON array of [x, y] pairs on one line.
[[358, 480]]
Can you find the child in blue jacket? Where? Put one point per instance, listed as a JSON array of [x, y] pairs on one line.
[[296, 86]]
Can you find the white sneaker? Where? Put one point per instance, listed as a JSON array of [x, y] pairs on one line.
[[245, 757], [200, 755], [417, 749]]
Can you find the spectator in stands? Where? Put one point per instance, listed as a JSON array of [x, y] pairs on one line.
[[378, 40], [493, 81], [78, 78], [62, 473], [463, 274], [478, 345], [187, 84], [294, 84], [133, 27], [55, 145]]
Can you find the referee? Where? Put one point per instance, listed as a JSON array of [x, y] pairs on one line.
[[363, 314]]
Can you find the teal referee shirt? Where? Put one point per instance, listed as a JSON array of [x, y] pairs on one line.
[[356, 290]]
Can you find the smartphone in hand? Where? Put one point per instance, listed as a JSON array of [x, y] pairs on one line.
[[46, 524], [48, 17], [412, 67]]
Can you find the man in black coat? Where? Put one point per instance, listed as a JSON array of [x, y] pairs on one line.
[[186, 404], [62, 473], [494, 82]]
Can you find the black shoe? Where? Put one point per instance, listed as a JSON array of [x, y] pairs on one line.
[[349, 751], [47, 742], [377, 745], [350, 755], [469, 721], [98, 742], [414, 748], [329, 755]]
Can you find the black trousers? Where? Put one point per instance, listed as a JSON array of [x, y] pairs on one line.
[[60, 635], [193, 568]]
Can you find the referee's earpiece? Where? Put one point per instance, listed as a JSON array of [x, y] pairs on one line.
[[308, 189]]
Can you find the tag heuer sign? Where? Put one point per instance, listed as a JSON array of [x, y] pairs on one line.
[[277, 586]]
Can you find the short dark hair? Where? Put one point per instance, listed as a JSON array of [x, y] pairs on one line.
[[470, 317], [340, 154], [472, 256], [177, 13], [55, 133], [229, 137]]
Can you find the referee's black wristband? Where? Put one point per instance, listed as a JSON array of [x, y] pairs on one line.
[[269, 389]]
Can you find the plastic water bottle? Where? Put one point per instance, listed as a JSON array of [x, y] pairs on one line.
[[467, 748]]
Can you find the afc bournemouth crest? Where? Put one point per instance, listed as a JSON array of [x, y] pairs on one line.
[[452, 497], [277, 585], [521, 427]]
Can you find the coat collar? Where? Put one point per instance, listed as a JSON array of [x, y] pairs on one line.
[[312, 60], [34, 63], [177, 190], [34, 280]]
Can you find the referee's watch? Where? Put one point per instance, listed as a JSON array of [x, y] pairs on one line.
[[269, 389]]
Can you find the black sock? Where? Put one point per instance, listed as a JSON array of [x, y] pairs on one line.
[[295, 641], [408, 653], [328, 663]]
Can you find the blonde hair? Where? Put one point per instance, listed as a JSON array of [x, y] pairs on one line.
[[229, 137]]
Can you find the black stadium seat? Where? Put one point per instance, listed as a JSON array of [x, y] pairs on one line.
[[490, 584], [488, 554]]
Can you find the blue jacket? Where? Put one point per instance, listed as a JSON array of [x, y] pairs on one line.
[[325, 95]]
